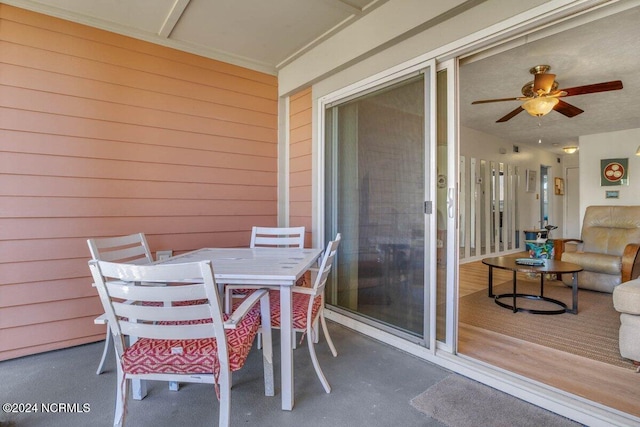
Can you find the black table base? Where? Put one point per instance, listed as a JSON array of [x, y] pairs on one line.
[[515, 308], [555, 268]]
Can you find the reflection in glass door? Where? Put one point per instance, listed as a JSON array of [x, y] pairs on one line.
[[375, 196], [544, 195]]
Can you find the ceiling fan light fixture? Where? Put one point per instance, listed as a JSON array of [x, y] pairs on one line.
[[540, 106], [570, 150]]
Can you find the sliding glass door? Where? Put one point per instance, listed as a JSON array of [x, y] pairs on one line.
[[377, 194]]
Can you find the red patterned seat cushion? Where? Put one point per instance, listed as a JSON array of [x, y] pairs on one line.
[[302, 282], [175, 303], [299, 311], [192, 356], [191, 302]]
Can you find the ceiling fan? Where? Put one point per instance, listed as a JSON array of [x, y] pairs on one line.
[[542, 95]]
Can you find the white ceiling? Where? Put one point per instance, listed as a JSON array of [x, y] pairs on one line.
[[267, 34], [259, 34], [600, 51]]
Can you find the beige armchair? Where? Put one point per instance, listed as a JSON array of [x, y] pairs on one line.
[[626, 301], [608, 249]]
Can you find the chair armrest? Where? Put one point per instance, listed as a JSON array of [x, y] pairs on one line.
[[101, 320], [559, 245], [229, 295], [244, 308], [303, 290], [630, 262]]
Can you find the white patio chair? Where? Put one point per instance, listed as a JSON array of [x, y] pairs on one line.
[[277, 237], [132, 249], [179, 342], [266, 237], [308, 308]]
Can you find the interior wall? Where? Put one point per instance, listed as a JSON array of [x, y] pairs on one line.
[[593, 148], [300, 162], [104, 135], [488, 147], [611, 145]]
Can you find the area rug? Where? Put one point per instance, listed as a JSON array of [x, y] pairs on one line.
[[457, 401], [592, 333]]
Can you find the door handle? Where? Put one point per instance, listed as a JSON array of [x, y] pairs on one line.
[[450, 201]]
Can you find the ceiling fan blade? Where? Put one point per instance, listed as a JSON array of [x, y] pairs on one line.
[[594, 88], [567, 109], [510, 115], [485, 101], [556, 94], [543, 82]]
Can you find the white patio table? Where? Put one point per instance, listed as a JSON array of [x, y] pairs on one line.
[[277, 267]]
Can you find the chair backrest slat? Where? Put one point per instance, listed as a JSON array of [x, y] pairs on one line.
[[148, 292], [326, 264], [132, 255], [162, 314], [167, 332], [132, 249], [281, 237], [117, 281]]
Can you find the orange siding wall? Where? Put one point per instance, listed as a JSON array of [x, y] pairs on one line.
[[104, 135], [300, 157]]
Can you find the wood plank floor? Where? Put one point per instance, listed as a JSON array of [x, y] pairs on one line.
[[609, 385]]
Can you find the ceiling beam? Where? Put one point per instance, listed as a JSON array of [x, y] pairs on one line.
[[344, 5], [173, 17]]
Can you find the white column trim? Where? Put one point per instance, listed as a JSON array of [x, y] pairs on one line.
[[284, 169]]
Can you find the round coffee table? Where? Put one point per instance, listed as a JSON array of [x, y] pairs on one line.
[[550, 267]]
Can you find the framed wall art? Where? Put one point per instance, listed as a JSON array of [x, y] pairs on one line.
[[558, 186], [614, 172]]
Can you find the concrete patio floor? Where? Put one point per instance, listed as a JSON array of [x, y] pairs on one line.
[[372, 384]]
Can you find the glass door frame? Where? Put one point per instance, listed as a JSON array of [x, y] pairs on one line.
[[452, 206], [428, 68]]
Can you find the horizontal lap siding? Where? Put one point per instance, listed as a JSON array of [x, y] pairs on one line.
[[300, 166], [103, 135]]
